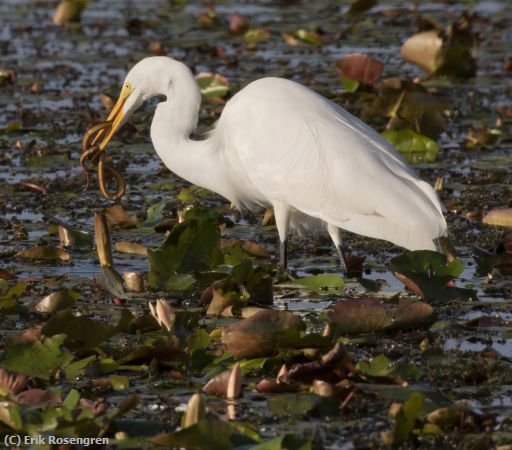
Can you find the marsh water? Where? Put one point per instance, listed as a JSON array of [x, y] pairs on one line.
[[62, 77]]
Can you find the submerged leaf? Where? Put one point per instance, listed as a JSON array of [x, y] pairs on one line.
[[256, 35], [44, 252], [324, 283], [359, 6]]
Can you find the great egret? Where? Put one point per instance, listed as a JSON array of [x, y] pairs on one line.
[[278, 143]]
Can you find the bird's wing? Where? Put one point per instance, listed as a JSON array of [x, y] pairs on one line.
[[297, 147]]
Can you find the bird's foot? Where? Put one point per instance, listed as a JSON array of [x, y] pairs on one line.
[[283, 274]]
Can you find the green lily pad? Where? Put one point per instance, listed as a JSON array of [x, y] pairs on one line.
[[83, 332], [414, 147], [191, 245], [431, 272], [44, 252], [38, 359], [324, 283], [57, 301], [212, 85], [208, 433]]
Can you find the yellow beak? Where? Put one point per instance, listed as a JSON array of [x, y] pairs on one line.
[[115, 118]]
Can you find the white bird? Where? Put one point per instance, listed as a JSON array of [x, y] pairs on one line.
[[280, 144]]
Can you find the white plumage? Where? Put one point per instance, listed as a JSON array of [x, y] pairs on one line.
[[279, 143]]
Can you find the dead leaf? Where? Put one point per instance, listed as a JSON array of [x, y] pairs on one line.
[[238, 24], [363, 68], [131, 248], [117, 216], [501, 217], [262, 333], [44, 252]]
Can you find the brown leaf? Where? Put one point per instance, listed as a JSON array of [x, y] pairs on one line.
[[332, 367], [262, 333], [409, 284], [360, 67], [267, 386], [57, 301], [234, 387], [196, 411], [107, 102], [117, 216], [131, 248], [238, 24], [39, 397], [11, 382], [26, 337], [501, 217], [44, 252], [134, 281], [222, 300], [6, 275], [411, 315], [359, 316], [68, 11], [324, 389], [157, 48], [218, 385], [249, 247], [423, 50], [103, 244], [96, 407]]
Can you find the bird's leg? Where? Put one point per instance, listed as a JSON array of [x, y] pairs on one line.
[[282, 216], [342, 250], [342, 254], [283, 254]]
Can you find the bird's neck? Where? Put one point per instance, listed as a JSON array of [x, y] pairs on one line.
[[195, 161]]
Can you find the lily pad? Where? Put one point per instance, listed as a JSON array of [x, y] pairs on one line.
[[212, 85], [44, 252], [360, 67], [38, 359], [324, 283], [501, 217], [117, 217], [415, 147], [191, 245], [431, 272], [262, 333], [208, 433], [83, 332], [364, 315], [57, 301]]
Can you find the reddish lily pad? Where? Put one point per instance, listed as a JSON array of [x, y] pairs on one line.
[[262, 333]]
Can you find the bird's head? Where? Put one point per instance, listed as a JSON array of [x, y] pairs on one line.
[[148, 78]]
